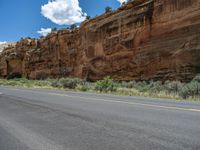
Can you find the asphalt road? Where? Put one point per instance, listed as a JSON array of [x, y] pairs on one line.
[[58, 120]]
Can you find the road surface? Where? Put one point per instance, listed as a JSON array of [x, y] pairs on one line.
[[35, 119]]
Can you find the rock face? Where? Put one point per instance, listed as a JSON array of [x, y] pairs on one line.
[[7, 57], [142, 40], [53, 56]]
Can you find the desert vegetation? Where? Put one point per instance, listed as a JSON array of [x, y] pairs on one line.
[[168, 89]]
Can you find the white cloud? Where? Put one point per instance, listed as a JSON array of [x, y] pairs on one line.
[[4, 42], [63, 12], [121, 1], [44, 32]]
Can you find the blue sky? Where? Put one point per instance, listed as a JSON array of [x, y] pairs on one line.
[[23, 18]]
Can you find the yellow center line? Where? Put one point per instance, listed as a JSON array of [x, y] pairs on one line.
[[114, 101]]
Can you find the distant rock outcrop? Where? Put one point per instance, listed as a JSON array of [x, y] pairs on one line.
[[142, 40], [4, 45]]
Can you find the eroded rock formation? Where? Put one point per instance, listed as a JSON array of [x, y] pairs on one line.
[[142, 40]]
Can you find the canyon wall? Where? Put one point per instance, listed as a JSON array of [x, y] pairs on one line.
[[142, 40]]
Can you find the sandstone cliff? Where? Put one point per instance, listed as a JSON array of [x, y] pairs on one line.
[[142, 40]]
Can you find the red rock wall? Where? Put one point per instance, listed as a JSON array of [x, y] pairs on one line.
[[155, 40], [143, 40], [54, 56]]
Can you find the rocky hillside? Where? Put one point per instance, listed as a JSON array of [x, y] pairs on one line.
[[4, 45], [142, 40]]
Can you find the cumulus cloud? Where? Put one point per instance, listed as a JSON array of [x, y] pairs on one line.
[[4, 42], [121, 1], [63, 12], [44, 32]]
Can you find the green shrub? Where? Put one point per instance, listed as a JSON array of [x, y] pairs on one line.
[[197, 78], [70, 83], [73, 26], [3, 82], [170, 89], [41, 83], [106, 85], [13, 83], [154, 87], [173, 86], [55, 83], [86, 86], [108, 9], [191, 89], [142, 86], [129, 84]]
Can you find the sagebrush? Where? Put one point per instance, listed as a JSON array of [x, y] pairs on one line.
[[168, 89]]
